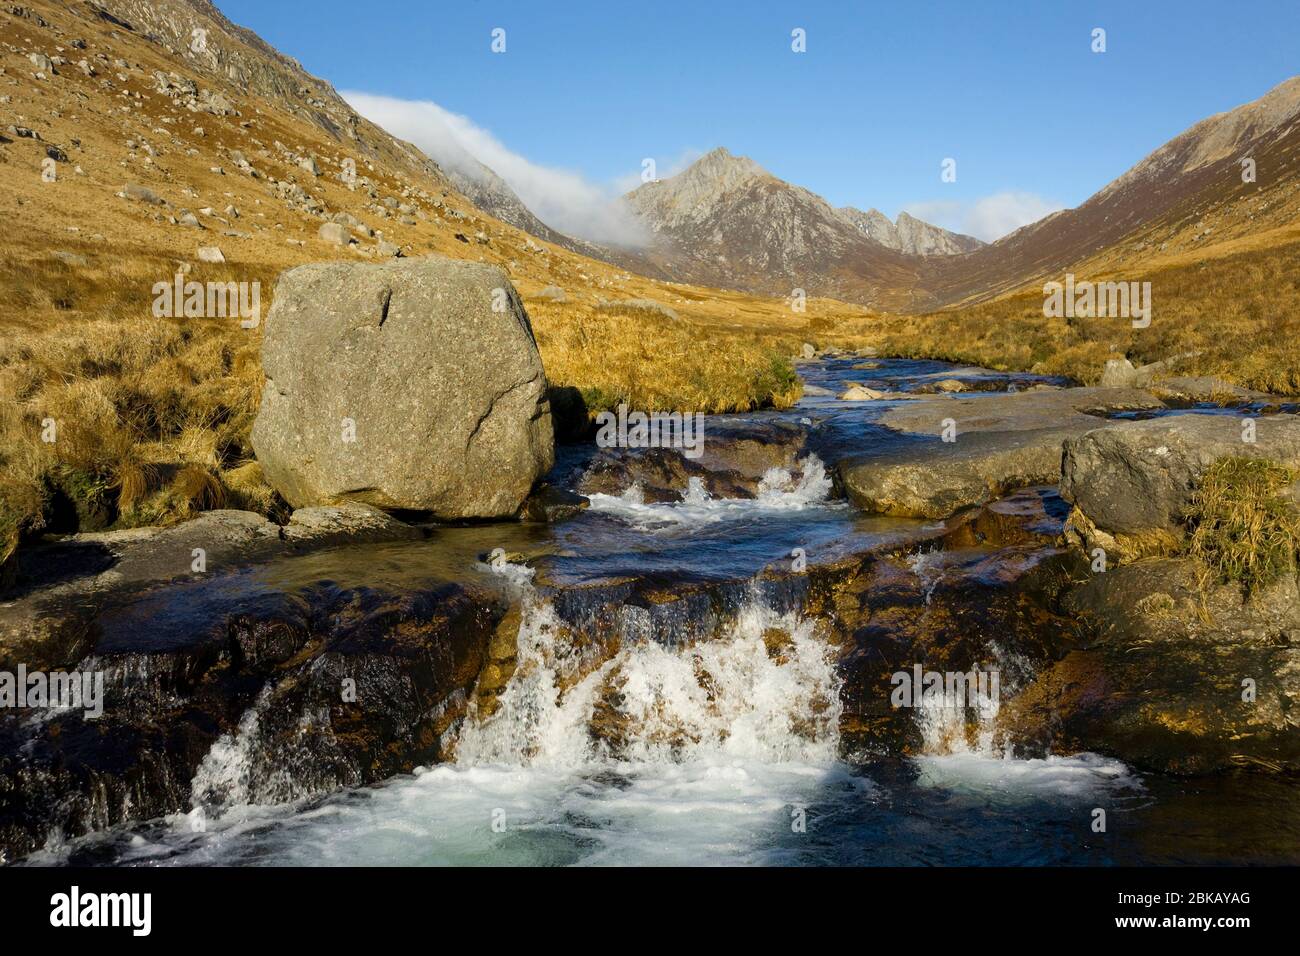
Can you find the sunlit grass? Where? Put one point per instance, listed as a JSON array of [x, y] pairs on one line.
[[1244, 528], [1236, 317]]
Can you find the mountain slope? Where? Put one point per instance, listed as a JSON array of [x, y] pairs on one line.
[[1182, 199], [241, 59]]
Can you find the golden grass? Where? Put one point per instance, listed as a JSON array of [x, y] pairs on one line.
[[1236, 317], [658, 364], [1245, 529], [123, 417]]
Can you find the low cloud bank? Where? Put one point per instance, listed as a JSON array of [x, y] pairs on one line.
[[561, 198], [988, 218]]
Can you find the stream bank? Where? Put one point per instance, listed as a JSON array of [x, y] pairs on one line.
[[717, 638]]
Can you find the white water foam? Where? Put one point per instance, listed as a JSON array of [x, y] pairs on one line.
[[767, 690], [961, 753], [779, 490], [945, 721], [1024, 780], [224, 778], [708, 753]]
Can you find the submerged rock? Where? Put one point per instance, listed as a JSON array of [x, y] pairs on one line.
[[733, 457], [348, 523], [414, 385], [860, 393], [549, 504]]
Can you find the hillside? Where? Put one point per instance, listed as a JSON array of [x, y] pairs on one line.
[[1184, 200], [159, 151]]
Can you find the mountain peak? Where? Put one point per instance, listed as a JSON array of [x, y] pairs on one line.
[[692, 194], [908, 234], [722, 168]]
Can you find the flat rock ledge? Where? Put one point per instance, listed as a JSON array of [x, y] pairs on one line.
[[999, 443]]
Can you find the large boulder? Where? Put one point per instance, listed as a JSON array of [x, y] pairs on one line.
[[1134, 478], [408, 385]]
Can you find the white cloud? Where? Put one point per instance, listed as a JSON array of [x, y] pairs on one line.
[[987, 218], [563, 199]]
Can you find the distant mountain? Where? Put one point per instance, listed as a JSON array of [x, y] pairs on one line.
[[493, 195], [725, 221], [909, 234]]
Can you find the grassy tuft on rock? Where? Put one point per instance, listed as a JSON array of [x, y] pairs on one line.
[[1244, 526]]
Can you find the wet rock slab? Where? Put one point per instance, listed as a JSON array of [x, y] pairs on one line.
[[315, 670], [734, 455], [1161, 673]]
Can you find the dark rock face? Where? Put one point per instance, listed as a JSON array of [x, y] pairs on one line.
[[1159, 676], [735, 456], [548, 504], [258, 682], [663, 474]]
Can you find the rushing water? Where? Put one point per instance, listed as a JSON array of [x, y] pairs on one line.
[[725, 751]]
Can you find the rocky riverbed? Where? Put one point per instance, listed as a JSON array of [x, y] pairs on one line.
[[695, 654]]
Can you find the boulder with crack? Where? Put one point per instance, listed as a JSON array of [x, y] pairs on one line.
[[408, 385]]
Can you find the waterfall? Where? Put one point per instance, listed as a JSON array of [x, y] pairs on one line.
[[957, 722], [766, 689]]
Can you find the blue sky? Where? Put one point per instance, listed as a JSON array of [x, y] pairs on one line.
[[885, 91]]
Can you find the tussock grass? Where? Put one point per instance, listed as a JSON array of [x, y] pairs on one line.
[[150, 417], [1245, 529]]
